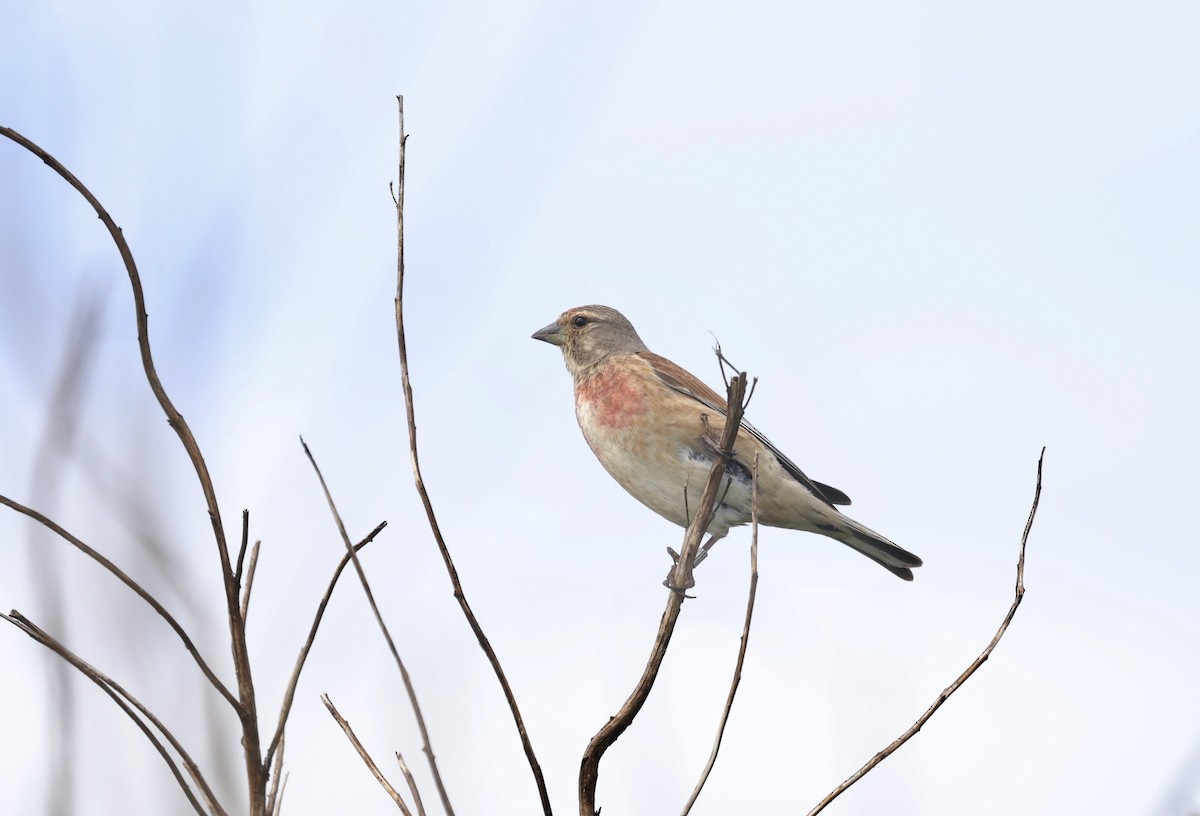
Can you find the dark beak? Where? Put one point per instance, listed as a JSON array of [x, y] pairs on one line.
[[550, 334]]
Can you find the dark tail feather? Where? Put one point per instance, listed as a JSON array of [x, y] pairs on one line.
[[896, 560]]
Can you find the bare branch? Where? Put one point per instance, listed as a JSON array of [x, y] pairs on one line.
[[244, 607], [275, 795], [278, 801], [741, 658], [125, 700], [366, 758], [132, 584], [459, 595], [412, 784], [237, 573], [289, 695], [387, 635], [1019, 593], [681, 578], [246, 708]]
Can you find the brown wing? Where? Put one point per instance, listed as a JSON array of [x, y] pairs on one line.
[[685, 383]]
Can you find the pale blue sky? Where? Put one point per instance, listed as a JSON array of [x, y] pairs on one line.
[[942, 235]]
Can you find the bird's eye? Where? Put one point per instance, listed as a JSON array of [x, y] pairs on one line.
[[580, 321]]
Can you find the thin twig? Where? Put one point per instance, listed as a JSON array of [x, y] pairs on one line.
[[245, 707], [278, 806], [288, 696], [244, 607], [681, 578], [277, 803], [459, 595], [132, 584], [237, 572], [366, 758], [387, 635], [276, 774], [741, 658], [128, 703], [412, 784], [1018, 594]]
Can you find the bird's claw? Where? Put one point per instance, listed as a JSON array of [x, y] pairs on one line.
[[680, 591], [669, 583]]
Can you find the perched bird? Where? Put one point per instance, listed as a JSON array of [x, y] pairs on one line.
[[645, 419]]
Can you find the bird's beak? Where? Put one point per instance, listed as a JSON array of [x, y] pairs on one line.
[[551, 334]]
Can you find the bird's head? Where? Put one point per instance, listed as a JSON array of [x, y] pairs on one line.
[[589, 334]]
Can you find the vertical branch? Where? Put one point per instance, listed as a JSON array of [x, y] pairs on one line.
[[459, 595], [589, 771], [741, 658], [1019, 594], [246, 708]]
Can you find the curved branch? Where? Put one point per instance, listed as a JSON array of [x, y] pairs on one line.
[[117, 692], [246, 708], [132, 584], [1018, 594]]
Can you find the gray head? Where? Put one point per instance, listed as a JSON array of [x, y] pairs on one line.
[[588, 334]]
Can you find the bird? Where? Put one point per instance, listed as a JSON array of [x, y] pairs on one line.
[[652, 425]]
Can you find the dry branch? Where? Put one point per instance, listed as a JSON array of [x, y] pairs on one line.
[[128, 703], [132, 584], [245, 705], [412, 784], [459, 595], [366, 758], [288, 696], [387, 635], [1018, 594], [745, 642], [248, 587], [275, 794], [681, 577]]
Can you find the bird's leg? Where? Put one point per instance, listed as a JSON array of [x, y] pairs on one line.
[[712, 441], [708, 545]]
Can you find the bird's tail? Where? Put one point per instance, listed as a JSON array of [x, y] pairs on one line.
[[895, 560]]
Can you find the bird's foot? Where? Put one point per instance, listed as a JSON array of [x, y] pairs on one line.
[[669, 581]]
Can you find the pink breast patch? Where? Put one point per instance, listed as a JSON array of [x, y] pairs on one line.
[[613, 398]]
